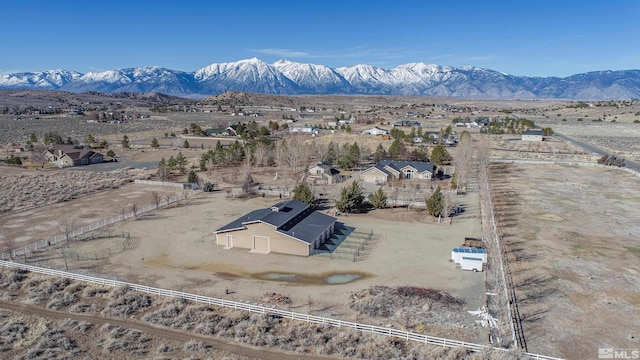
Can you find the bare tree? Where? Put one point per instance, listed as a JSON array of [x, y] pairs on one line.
[[246, 177], [122, 210], [449, 204], [482, 151], [135, 208], [294, 153], [462, 159], [167, 199], [394, 183], [38, 155], [156, 197], [261, 153], [412, 192], [320, 150], [67, 226]]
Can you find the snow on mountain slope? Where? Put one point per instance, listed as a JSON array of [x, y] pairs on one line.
[[316, 78], [50, 79], [288, 77], [245, 75]]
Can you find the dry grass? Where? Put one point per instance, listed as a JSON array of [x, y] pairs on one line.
[[22, 192], [416, 308], [252, 329]]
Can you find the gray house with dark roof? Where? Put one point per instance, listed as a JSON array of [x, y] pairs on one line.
[[385, 170], [70, 155], [289, 227]]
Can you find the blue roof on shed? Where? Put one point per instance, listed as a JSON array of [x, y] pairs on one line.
[[467, 250]]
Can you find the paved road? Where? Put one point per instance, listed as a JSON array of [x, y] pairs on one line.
[[630, 164], [159, 332]]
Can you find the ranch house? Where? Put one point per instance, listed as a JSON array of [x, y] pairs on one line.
[[289, 227], [69, 155], [385, 170]]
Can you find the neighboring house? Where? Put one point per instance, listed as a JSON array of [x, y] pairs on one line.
[[376, 131], [70, 155], [483, 120], [533, 135], [304, 129], [386, 170], [408, 123], [432, 135], [217, 132], [324, 173], [449, 140], [232, 130], [289, 227]]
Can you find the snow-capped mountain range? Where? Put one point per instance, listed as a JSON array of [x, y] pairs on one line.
[[292, 78]]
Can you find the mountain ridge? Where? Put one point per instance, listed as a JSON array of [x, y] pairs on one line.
[[285, 77]]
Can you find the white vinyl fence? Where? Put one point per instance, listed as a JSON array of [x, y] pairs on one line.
[[409, 336]]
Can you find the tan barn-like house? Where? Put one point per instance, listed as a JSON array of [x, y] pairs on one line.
[[289, 227]]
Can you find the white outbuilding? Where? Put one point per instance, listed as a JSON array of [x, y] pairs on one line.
[[533, 135], [469, 258]]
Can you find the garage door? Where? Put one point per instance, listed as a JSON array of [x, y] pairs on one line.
[[261, 243]]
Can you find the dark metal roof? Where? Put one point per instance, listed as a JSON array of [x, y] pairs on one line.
[[533, 132], [421, 166], [293, 218]]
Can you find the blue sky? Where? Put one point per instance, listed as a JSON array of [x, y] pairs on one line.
[[519, 37]]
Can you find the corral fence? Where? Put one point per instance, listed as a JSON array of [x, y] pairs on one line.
[[350, 249], [24, 250], [162, 183], [271, 311], [126, 244]]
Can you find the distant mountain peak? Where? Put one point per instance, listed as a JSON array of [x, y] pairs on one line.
[[290, 77]]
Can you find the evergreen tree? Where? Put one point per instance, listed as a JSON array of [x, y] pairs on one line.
[[203, 161], [125, 142], [421, 153], [351, 197], [397, 149], [435, 203], [154, 143], [332, 152], [349, 157], [111, 153], [380, 153], [192, 177], [440, 155], [186, 144], [163, 170], [181, 162], [378, 199], [303, 193]]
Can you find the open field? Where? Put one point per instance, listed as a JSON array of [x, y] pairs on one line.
[[571, 232], [176, 251], [574, 248]]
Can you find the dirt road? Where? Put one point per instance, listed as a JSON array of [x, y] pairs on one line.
[[153, 331]]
